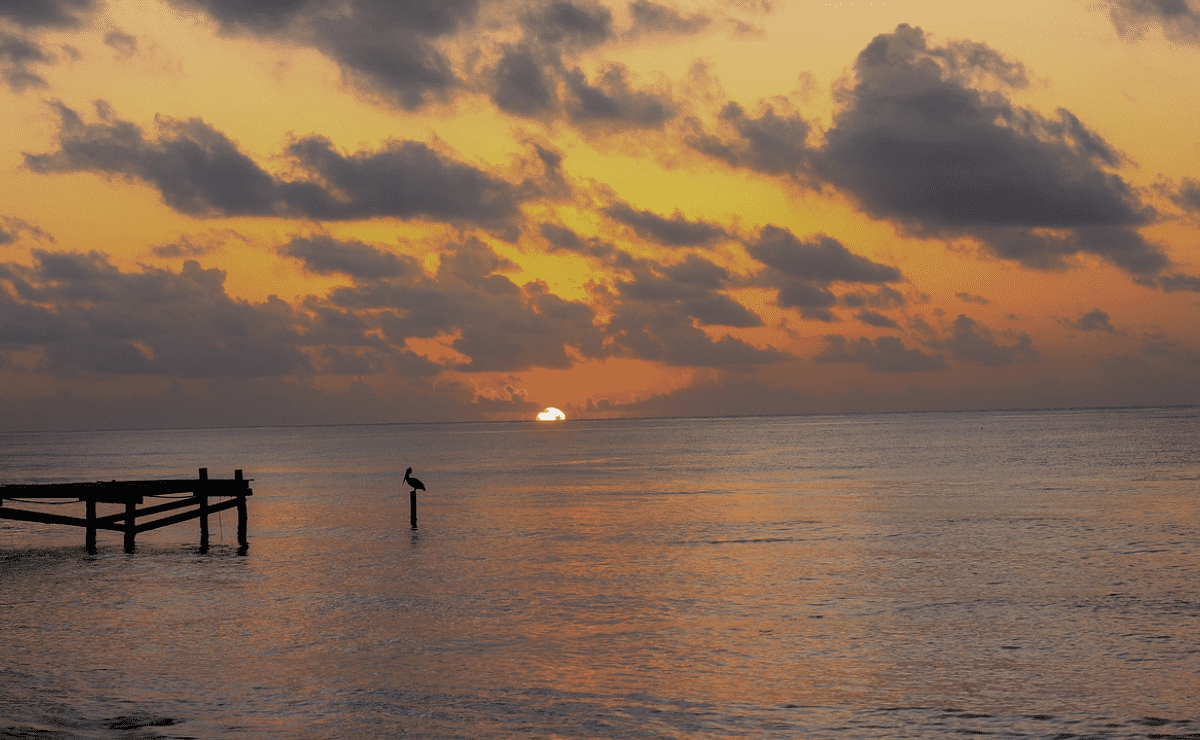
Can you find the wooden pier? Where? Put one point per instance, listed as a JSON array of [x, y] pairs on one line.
[[131, 494]]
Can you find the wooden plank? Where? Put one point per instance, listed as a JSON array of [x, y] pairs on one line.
[[175, 519], [24, 515], [121, 491], [177, 504]]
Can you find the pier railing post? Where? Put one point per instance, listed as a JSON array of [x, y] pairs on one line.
[[130, 523], [89, 541], [202, 496]]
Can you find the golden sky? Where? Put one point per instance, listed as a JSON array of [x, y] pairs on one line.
[[314, 211]]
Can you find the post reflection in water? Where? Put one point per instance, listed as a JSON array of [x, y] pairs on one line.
[[910, 575]]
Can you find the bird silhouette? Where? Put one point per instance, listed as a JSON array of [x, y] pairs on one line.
[[416, 484]]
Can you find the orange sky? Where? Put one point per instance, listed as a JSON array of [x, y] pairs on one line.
[[307, 212]]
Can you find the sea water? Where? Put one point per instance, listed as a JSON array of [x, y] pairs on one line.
[[1019, 574]]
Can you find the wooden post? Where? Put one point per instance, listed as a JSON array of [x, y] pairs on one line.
[[130, 523], [202, 496], [241, 507], [412, 507], [90, 537]]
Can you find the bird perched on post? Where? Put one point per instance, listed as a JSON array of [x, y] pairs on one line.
[[416, 484]]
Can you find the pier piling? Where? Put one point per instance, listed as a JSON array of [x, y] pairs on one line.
[[130, 495], [89, 541], [203, 498], [130, 524]]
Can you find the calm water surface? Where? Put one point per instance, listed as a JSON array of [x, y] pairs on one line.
[[1031, 574]]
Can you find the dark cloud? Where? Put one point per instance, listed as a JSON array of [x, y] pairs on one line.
[[11, 230], [968, 298], [1179, 20], [880, 297], [46, 13], [613, 102], [772, 143], [386, 48], [195, 245], [1187, 196], [567, 23], [153, 322], [967, 339], [1179, 282], [656, 307], [876, 319], [498, 324], [535, 78], [676, 231], [687, 289], [885, 354], [17, 53], [20, 47], [819, 258], [928, 138], [199, 171], [124, 44], [1156, 344], [919, 143], [803, 270], [650, 17], [522, 83], [1094, 320], [325, 255]]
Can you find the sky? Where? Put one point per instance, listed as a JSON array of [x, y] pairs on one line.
[[228, 212]]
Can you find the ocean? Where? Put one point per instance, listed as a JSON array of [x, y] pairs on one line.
[[1016, 574]]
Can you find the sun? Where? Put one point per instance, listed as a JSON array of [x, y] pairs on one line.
[[551, 414]]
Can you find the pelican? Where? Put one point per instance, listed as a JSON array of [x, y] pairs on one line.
[[413, 481]]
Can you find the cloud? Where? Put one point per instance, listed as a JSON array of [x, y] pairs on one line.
[[967, 339], [325, 255], [1187, 196], [1094, 320], [657, 308], [496, 323], [85, 315], [772, 143], [199, 171], [885, 354], [613, 102], [803, 270], [124, 44], [676, 231], [522, 84], [876, 319], [1179, 20], [535, 78], [20, 22], [583, 24], [652, 18], [383, 47], [11, 230], [1156, 344], [919, 143], [819, 258], [968, 298], [46, 13], [17, 53], [928, 138]]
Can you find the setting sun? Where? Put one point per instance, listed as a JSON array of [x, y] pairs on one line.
[[551, 414]]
